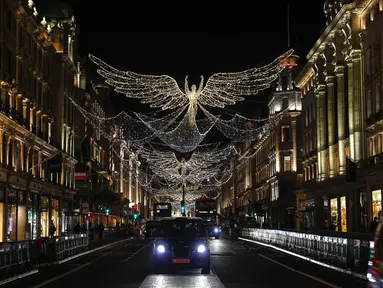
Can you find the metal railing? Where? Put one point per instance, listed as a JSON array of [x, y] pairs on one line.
[[67, 246], [345, 252], [14, 258]]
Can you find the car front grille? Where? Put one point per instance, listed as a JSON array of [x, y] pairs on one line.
[[181, 251]]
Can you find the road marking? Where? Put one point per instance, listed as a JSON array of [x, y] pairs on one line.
[[345, 271], [61, 276], [135, 253], [19, 277], [302, 273]]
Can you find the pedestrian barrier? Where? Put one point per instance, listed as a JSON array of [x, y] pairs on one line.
[[344, 251], [67, 246], [14, 258]]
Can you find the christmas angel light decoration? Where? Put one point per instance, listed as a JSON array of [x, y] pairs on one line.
[[221, 89], [162, 91]]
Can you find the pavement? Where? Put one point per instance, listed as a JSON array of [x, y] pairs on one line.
[[234, 263]]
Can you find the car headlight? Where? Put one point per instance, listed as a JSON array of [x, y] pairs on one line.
[[216, 230], [201, 248], [161, 248]]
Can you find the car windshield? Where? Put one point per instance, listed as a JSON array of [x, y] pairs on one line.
[[183, 228]]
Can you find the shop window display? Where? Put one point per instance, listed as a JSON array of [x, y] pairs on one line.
[[376, 203], [334, 213], [31, 231], [343, 213], [55, 218], [16, 212], [44, 216]]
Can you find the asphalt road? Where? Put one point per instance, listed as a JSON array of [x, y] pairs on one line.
[[233, 263]]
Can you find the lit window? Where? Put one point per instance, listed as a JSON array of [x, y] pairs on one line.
[[287, 163], [285, 134]]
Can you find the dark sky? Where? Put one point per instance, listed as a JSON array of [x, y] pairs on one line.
[[223, 45]]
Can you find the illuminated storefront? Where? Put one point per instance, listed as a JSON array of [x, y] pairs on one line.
[[32, 224], [376, 202], [2, 213], [16, 215], [334, 213], [55, 215], [44, 216], [343, 214]]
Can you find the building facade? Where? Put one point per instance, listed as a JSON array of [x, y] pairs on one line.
[[264, 182], [278, 154], [341, 92], [36, 71]]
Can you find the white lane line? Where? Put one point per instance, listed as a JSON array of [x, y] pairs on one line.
[[19, 277], [135, 253], [61, 276], [345, 271], [301, 273]]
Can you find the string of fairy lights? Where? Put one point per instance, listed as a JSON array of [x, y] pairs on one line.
[[186, 164]]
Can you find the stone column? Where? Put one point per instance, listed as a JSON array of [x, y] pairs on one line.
[[25, 110], [1, 145], [351, 126], [318, 123], [38, 122], [339, 70], [21, 160], [277, 141], [356, 60], [31, 118], [330, 124], [322, 130], [294, 136]]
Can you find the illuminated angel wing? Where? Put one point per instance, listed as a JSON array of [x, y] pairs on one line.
[[227, 88], [156, 90], [163, 159], [206, 160]]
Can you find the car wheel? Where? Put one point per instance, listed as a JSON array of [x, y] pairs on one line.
[[206, 269], [217, 237]]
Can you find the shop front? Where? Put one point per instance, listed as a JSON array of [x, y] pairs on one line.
[[32, 218], [2, 211], [308, 216], [50, 210], [16, 214], [67, 206], [338, 213]]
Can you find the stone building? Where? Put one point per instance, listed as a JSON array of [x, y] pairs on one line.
[[341, 92], [36, 72]]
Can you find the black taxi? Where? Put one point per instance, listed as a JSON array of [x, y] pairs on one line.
[[182, 243]]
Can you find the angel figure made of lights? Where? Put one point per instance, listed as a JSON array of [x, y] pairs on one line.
[[162, 91]]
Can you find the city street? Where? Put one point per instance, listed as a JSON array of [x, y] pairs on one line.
[[233, 263]]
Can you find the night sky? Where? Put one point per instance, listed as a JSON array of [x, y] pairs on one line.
[[222, 46]]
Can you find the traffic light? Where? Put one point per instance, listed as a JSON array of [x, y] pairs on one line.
[[107, 212], [135, 215], [183, 208]]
